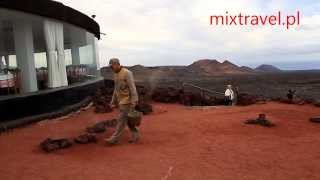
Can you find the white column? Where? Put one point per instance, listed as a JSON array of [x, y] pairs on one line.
[[1, 64], [61, 55], [6, 59], [23, 40], [96, 52], [91, 40], [78, 39], [53, 69], [75, 53]]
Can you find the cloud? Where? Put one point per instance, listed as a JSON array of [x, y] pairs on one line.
[[165, 32]]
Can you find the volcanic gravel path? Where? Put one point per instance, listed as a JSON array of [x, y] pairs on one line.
[[177, 143]]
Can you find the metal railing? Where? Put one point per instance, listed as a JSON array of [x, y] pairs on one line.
[[203, 90]]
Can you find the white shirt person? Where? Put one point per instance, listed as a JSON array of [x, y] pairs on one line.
[[229, 95]]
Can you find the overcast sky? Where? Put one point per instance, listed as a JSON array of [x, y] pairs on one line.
[[167, 32]]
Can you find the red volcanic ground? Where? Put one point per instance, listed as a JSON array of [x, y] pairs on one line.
[[177, 143]]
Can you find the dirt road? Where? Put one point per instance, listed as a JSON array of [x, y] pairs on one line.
[[177, 143]]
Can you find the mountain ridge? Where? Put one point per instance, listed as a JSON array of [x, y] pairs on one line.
[[201, 67]]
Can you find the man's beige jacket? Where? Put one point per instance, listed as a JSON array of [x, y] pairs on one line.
[[124, 88]]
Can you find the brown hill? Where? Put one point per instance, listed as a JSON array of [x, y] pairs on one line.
[[266, 68], [246, 68], [214, 67]]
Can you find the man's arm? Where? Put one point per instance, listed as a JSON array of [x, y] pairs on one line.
[[133, 91], [114, 94], [114, 97]]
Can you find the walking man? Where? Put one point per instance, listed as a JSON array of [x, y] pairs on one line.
[[126, 97]]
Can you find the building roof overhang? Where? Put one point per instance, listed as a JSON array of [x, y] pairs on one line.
[[55, 10]]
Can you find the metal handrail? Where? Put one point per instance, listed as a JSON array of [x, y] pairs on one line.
[[202, 89]]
